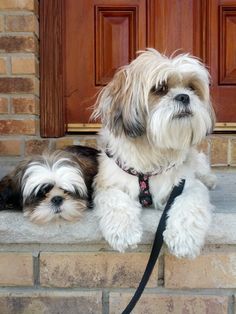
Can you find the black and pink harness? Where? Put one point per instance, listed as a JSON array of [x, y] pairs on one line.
[[145, 197]]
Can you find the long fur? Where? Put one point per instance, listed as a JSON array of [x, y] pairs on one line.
[[147, 128], [55, 184]]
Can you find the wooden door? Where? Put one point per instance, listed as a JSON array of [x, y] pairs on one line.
[[220, 56], [102, 35]]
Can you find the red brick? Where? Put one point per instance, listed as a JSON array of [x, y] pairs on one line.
[[21, 23], [1, 23], [25, 105], [18, 44], [18, 127], [17, 5], [34, 147], [3, 66], [219, 150], [63, 142], [17, 85], [170, 304], [3, 105], [24, 65], [82, 140], [10, 147]]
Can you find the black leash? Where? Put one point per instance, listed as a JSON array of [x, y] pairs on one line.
[[156, 247]]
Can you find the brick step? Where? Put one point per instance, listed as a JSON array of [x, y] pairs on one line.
[[68, 267], [104, 282], [113, 302]]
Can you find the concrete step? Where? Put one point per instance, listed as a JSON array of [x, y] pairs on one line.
[[14, 228], [224, 195]]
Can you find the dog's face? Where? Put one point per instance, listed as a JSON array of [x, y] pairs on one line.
[[165, 99], [53, 186]]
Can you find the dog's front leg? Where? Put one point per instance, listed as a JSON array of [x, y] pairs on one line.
[[119, 218], [188, 220]]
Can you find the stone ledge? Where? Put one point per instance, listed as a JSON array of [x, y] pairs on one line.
[[14, 229]]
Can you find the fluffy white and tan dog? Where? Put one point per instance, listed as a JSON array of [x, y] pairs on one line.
[[154, 112]]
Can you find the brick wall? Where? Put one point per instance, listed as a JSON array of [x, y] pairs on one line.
[[92, 281], [19, 92], [19, 75]]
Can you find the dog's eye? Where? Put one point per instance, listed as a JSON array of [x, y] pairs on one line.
[[160, 89], [68, 192], [191, 87], [47, 188], [74, 194], [44, 190]]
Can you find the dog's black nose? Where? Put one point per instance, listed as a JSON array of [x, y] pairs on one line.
[[184, 98], [57, 200]]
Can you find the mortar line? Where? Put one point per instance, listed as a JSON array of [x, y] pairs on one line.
[[36, 269], [105, 301]]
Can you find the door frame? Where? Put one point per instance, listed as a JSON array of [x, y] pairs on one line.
[[52, 104]]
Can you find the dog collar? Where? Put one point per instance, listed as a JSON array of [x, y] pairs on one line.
[[145, 197]]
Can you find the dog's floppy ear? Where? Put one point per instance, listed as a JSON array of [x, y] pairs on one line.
[[10, 193], [120, 105], [212, 116], [11, 188]]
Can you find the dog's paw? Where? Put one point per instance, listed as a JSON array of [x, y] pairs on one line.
[[123, 237], [182, 244], [119, 219]]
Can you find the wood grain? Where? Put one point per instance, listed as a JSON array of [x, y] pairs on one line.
[[52, 109]]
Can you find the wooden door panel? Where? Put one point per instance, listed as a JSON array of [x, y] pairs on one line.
[[175, 25], [116, 40], [220, 52], [227, 31], [101, 35]]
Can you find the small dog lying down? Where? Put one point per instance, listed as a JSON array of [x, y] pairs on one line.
[[56, 184]]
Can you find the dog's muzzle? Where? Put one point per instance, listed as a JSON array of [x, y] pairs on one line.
[[183, 98], [57, 200], [184, 108]]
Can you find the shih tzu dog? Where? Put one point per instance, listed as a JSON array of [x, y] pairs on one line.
[[56, 184], [154, 112]]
